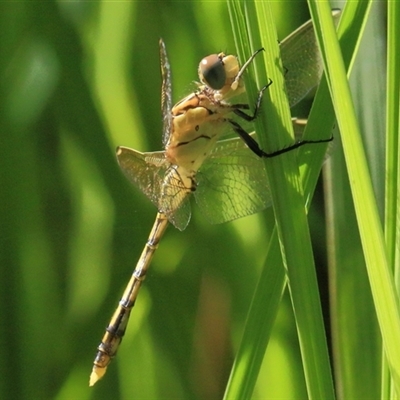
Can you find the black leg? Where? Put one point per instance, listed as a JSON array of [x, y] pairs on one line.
[[255, 148], [239, 107], [294, 146], [251, 143]]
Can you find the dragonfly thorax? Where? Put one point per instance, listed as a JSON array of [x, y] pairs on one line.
[[197, 123]]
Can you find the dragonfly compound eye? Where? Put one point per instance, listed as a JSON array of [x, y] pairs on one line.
[[212, 71]]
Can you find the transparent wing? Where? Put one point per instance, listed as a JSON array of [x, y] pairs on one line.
[[144, 170], [174, 200], [155, 177], [302, 61], [166, 93], [232, 183]]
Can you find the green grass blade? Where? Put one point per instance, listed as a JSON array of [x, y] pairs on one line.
[[355, 356], [392, 144], [289, 206], [258, 327], [392, 158], [381, 280], [293, 228]]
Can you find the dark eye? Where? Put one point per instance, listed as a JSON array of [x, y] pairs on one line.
[[212, 72]]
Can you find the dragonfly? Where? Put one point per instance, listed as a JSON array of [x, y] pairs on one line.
[[226, 177]]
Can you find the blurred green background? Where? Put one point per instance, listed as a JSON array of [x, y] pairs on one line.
[[78, 79]]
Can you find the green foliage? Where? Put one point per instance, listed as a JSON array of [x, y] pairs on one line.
[[79, 78]]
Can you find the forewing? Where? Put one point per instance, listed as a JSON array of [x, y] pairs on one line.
[[302, 61], [232, 183], [166, 93], [151, 173]]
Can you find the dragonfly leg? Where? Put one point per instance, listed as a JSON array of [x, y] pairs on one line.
[[255, 148], [251, 143], [244, 67], [294, 146], [237, 108]]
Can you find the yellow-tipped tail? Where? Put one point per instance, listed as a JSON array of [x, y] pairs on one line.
[[97, 374]]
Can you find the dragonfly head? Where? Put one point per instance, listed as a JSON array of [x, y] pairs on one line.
[[218, 72]]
